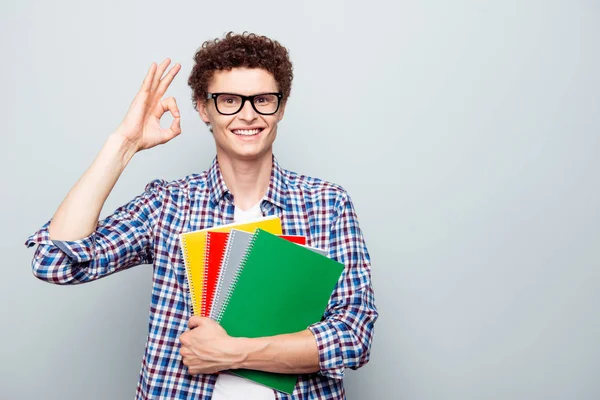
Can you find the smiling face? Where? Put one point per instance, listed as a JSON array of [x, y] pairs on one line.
[[246, 135]]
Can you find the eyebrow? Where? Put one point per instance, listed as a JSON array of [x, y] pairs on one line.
[[241, 94]]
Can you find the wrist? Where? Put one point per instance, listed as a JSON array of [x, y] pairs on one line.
[[248, 351], [124, 147], [239, 348]]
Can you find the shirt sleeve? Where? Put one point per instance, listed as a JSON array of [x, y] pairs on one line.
[[345, 334], [120, 241]]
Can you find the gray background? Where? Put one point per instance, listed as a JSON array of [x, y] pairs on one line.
[[465, 131]]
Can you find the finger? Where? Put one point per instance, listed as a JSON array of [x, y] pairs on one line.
[[185, 351], [147, 84], [168, 104], [194, 322], [171, 105], [183, 339], [174, 129], [166, 81], [159, 73]]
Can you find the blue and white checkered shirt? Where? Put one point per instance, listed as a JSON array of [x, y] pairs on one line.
[[145, 231]]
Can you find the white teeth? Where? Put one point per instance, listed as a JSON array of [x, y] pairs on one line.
[[246, 132]]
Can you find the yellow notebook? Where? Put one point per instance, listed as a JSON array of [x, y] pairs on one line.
[[193, 245]]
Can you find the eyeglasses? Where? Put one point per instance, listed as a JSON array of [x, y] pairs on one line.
[[231, 103]]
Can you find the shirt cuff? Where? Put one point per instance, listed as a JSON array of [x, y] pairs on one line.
[[79, 251], [40, 237], [331, 362]]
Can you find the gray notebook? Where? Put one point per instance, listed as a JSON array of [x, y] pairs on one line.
[[237, 243], [318, 251]]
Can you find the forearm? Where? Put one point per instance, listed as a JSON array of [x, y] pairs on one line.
[[78, 214], [294, 353]]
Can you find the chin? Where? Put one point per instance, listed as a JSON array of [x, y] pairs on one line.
[[246, 151], [250, 154]]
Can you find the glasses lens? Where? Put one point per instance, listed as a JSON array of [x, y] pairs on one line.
[[228, 103], [266, 103]]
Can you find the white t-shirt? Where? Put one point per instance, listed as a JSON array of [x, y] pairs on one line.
[[232, 387]]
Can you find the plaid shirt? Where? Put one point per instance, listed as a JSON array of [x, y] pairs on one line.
[[145, 231]]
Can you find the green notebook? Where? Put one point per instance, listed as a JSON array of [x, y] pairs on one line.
[[281, 288]]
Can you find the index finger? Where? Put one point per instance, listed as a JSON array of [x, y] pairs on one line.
[[194, 321], [166, 81], [184, 351]]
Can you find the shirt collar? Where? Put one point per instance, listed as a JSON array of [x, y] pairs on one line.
[[215, 183], [277, 192]]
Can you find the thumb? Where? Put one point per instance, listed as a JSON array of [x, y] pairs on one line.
[[169, 104], [175, 128]]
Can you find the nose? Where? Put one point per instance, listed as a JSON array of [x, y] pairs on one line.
[[247, 113]]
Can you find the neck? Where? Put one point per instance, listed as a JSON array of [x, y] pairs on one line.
[[248, 180]]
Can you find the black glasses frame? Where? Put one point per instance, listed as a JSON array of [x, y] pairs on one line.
[[244, 98]]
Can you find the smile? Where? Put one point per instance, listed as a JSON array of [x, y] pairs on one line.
[[247, 132]]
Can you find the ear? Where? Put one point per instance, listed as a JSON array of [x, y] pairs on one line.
[[281, 111], [202, 110]]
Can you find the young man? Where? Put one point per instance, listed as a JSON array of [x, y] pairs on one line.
[[240, 86]]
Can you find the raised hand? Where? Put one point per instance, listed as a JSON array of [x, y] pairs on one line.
[[141, 125]]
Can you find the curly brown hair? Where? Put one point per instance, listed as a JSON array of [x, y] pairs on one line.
[[240, 50]]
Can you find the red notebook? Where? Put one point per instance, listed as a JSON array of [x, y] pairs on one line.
[[215, 250], [294, 239], [215, 247]]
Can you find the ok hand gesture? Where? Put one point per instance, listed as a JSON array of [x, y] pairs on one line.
[[141, 125]]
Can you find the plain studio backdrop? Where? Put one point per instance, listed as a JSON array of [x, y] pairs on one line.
[[466, 132]]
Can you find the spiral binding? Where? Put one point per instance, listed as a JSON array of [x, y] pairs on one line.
[[186, 262], [205, 276], [224, 261], [237, 276]]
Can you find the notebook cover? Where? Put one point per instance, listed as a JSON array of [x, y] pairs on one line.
[[193, 249], [215, 249], [280, 288], [231, 258]]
